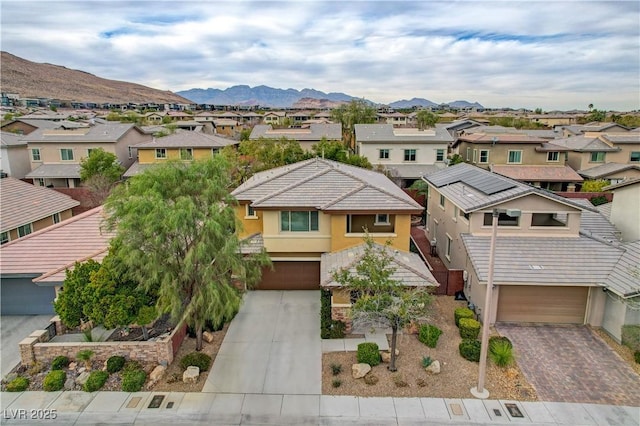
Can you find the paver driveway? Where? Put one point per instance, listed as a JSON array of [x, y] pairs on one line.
[[272, 346], [572, 364]]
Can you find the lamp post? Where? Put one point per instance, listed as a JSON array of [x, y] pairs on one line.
[[479, 391]]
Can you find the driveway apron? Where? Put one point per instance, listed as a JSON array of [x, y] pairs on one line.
[[572, 364], [272, 346]]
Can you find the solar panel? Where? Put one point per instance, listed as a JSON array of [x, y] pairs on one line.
[[480, 180]]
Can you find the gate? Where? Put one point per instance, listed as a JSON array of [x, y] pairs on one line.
[[51, 329]]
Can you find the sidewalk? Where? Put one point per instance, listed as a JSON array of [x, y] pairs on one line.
[[81, 408]]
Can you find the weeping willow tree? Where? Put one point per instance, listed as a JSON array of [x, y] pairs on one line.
[[175, 233]]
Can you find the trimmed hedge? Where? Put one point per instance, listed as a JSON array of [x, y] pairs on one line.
[[469, 328], [115, 363], [95, 381], [133, 380], [19, 384], [329, 328], [369, 353], [429, 335], [197, 359], [462, 313], [54, 381], [470, 349], [59, 362]]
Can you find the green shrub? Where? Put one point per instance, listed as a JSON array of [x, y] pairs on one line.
[[429, 335], [59, 362], [115, 363], [469, 328], [95, 381], [470, 350], [18, 384], [198, 359], [504, 339], [636, 356], [462, 313], [54, 381], [336, 369], [325, 314], [501, 353], [631, 336], [132, 365], [337, 329], [336, 383], [133, 380], [368, 353], [85, 356], [426, 361]]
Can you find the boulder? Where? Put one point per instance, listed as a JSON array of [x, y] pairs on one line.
[[386, 355], [434, 368], [157, 373], [191, 374], [207, 336], [360, 370], [82, 378], [72, 366], [69, 384]]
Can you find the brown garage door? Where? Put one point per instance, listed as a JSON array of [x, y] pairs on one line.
[[555, 305], [291, 276]]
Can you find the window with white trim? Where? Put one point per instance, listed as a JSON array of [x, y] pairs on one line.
[[449, 246], [66, 154], [514, 157], [409, 155], [4, 237], [89, 151], [250, 211], [484, 156], [39, 181], [382, 219], [468, 154], [161, 153], [553, 156], [441, 200], [475, 156], [24, 230], [35, 154], [439, 154], [383, 154], [130, 151], [597, 157], [56, 218], [298, 221], [635, 157]]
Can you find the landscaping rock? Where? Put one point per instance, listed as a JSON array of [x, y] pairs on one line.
[[191, 374], [386, 355], [82, 370], [208, 336], [360, 370], [69, 384], [157, 373], [82, 378], [434, 368], [72, 366]]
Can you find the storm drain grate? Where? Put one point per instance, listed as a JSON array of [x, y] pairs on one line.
[[514, 410], [497, 412], [156, 401], [170, 404]]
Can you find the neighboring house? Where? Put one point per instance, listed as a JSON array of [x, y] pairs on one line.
[[306, 137], [406, 153], [251, 118], [33, 268], [275, 118], [21, 126], [551, 262], [154, 117], [613, 172], [593, 149], [520, 156], [227, 127], [56, 153], [551, 120], [26, 208], [182, 145], [582, 129], [625, 208], [14, 157], [299, 117], [396, 119]]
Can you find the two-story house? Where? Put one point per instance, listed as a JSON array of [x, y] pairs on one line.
[[405, 153], [182, 145], [14, 157], [550, 264], [55, 154], [306, 137], [302, 211]]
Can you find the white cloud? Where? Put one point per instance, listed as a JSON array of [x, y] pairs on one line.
[[535, 54]]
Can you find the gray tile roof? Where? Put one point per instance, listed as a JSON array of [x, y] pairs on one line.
[[188, 139], [410, 269], [584, 143], [595, 224], [545, 134], [543, 260], [624, 183], [252, 244], [23, 203], [314, 132], [622, 138], [8, 139], [472, 188], [412, 171], [388, 134], [111, 132], [606, 169], [56, 171], [624, 279], [42, 124], [577, 129], [136, 168], [605, 210], [325, 185]]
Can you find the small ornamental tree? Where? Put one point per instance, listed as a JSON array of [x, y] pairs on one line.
[[382, 299], [100, 171], [426, 119], [70, 303]]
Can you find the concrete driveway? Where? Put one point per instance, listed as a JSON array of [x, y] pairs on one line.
[[14, 328], [572, 364], [272, 346]]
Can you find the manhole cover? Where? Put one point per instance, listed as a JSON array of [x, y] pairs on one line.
[[514, 410], [156, 401]]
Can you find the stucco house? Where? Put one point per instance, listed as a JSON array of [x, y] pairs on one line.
[[552, 262], [405, 153], [306, 137], [593, 149], [304, 213], [14, 157]]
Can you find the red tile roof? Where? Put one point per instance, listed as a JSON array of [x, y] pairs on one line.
[[538, 173]]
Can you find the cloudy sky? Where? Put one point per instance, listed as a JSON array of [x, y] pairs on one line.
[[550, 54]]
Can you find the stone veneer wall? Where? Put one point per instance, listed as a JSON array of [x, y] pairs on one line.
[[37, 347], [342, 314]]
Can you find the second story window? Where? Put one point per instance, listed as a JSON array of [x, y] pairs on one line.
[[409, 155], [384, 154], [382, 219], [597, 157], [635, 157], [503, 220], [186, 154], [514, 157], [296, 221], [56, 218], [35, 154], [24, 230], [161, 153], [250, 211], [4, 237], [484, 156], [441, 200], [66, 154], [553, 156], [439, 154]]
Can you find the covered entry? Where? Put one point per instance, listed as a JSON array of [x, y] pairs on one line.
[[291, 275], [542, 304]]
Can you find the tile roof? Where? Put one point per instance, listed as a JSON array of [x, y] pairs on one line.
[[412, 171], [617, 138], [57, 246], [606, 169], [584, 143], [325, 185], [596, 224], [54, 171], [543, 260], [187, 139], [136, 168], [387, 133], [605, 210], [314, 132], [624, 279], [624, 183], [43, 124], [410, 269], [537, 173], [252, 244], [499, 138], [472, 188], [111, 132], [8, 139], [538, 133], [23, 203]]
